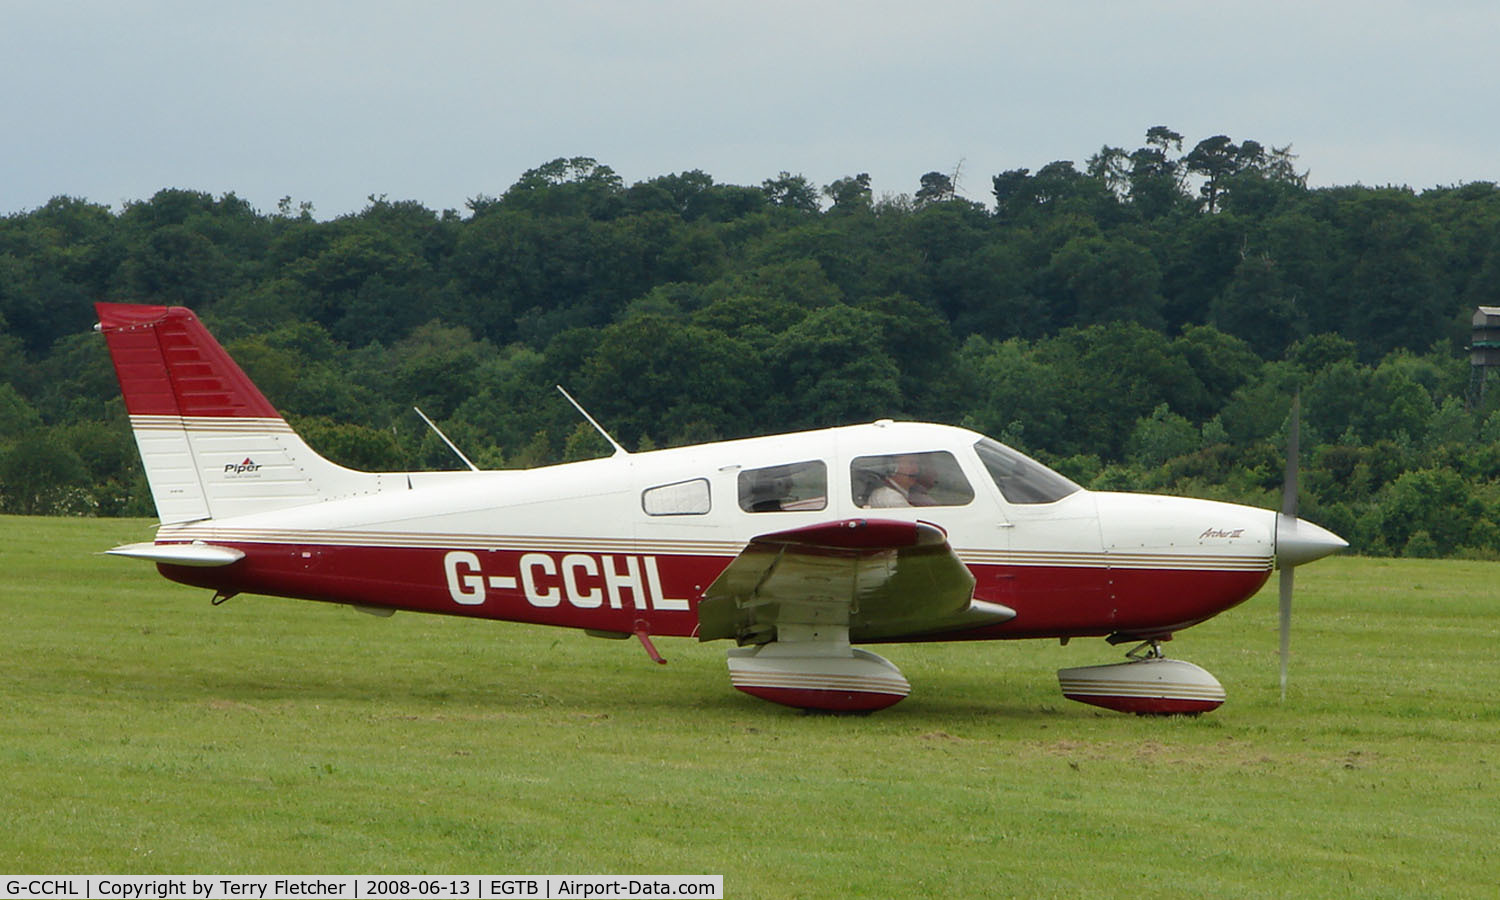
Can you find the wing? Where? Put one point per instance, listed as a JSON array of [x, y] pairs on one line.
[[883, 579]]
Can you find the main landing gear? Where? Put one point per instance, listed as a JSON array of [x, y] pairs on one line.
[[1149, 684], [813, 667]]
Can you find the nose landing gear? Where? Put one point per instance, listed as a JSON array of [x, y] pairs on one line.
[[1149, 684]]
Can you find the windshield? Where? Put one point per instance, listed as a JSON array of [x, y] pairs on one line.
[[1019, 477]]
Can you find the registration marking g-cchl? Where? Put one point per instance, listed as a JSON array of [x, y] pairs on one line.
[[583, 580]]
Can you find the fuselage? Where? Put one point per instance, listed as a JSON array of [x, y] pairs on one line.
[[629, 543]]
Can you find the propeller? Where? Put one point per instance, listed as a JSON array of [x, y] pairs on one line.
[[1297, 541]]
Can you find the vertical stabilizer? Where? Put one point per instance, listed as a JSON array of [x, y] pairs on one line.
[[211, 443]]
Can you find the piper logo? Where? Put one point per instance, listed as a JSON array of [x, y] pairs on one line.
[[248, 467]]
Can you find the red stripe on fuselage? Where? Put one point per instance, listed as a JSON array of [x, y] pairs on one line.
[[623, 591]]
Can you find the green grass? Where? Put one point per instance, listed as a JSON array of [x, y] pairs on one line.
[[144, 731]]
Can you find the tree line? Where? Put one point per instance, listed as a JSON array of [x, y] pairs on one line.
[[1140, 322]]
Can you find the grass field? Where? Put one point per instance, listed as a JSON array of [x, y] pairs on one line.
[[144, 731]]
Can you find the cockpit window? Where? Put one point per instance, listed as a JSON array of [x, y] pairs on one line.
[[1019, 477], [909, 479], [792, 487]]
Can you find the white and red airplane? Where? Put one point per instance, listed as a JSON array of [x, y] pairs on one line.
[[795, 546]]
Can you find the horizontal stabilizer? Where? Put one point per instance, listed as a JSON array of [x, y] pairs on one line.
[[195, 554]]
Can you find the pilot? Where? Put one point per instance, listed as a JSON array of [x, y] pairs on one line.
[[904, 486]]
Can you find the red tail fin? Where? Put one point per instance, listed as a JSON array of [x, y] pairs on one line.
[[169, 365]]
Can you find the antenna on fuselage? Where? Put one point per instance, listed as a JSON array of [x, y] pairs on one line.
[[451, 446], [619, 451]]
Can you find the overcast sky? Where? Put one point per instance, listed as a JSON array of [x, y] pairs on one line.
[[442, 100]]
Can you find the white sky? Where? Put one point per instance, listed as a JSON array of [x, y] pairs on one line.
[[442, 100]]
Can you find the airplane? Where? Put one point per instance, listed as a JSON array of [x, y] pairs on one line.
[[795, 547]]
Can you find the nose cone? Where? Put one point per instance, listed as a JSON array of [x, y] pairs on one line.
[[1299, 541]]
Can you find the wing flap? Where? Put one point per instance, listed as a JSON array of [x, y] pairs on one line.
[[882, 578]]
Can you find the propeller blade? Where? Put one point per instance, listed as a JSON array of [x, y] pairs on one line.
[[1289, 481], [1287, 575], [1289, 510]]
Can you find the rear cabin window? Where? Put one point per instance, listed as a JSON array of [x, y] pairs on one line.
[[1019, 477], [683, 498], [900, 480], [793, 487]]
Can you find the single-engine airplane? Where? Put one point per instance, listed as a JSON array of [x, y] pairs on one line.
[[795, 547]]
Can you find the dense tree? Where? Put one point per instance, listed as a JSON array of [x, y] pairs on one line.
[[850, 194], [38, 475], [935, 188], [1107, 280], [1258, 306], [1143, 322], [1162, 436], [653, 376], [576, 186], [791, 192], [1056, 189], [1156, 179], [1431, 502], [833, 368]]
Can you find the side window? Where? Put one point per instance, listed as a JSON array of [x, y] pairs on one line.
[[909, 479], [684, 498], [791, 487]]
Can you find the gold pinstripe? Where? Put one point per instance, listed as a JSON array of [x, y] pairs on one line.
[[441, 541], [209, 424], [1113, 560], [559, 544]]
